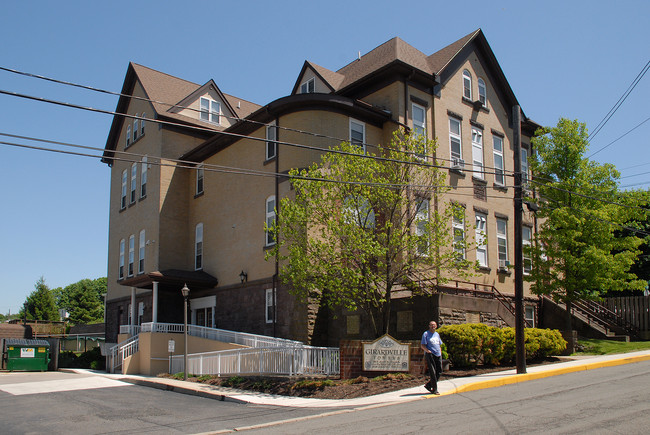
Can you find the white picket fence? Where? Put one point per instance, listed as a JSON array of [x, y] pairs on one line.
[[279, 361]]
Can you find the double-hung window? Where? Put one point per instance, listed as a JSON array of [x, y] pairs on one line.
[[419, 127], [210, 111], [455, 143], [143, 177], [123, 195], [131, 254], [421, 221], [467, 84], [200, 174], [477, 152], [270, 221], [458, 228], [502, 242], [358, 134], [136, 128], [499, 174], [269, 305], [121, 264], [308, 87], [141, 246], [481, 239], [482, 92], [526, 235], [198, 247], [128, 135], [142, 124], [134, 179], [271, 141], [524, 165]]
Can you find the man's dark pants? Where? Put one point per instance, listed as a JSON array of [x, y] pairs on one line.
[[434, 364]]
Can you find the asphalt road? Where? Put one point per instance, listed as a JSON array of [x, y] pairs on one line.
[[71, 403], [612, 400]]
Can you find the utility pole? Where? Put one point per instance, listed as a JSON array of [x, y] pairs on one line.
[[520, 349]]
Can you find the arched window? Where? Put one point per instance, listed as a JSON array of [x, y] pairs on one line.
[[482, 92], [467, 84], [136, 128], [142, 124], [270, 221], [198, 247]]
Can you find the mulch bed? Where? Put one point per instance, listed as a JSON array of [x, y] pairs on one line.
[[322, 388]]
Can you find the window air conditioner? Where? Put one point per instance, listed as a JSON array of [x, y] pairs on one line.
[[503, 265], [458, 164]]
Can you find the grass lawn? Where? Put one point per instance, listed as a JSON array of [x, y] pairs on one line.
[[604, 347]]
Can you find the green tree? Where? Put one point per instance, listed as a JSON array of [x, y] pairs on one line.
[[361, 227], [83, 300], [576, 253], [40, 304]]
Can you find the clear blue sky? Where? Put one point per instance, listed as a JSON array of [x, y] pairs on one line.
[[571, 59]]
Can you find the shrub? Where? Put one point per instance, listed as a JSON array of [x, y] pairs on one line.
[[233, 381]]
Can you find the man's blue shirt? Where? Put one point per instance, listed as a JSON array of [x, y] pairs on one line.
[[432, 341]]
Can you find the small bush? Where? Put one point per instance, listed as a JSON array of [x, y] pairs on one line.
[[233, 382]]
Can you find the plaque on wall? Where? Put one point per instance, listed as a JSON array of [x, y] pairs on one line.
[[386, 355]]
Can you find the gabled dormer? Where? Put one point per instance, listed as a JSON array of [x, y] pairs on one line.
[[316, 79], [207, 104]]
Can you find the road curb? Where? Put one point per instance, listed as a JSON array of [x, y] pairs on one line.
[[517, 378], [200, 392]]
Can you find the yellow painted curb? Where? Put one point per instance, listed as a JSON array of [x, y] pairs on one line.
[[517, 378]]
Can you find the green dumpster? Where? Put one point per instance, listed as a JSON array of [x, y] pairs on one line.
[[27, 355]]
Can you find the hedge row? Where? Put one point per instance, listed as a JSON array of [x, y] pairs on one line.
[[474, 343]]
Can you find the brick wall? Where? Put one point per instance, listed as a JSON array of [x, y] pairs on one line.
[[352, 360]]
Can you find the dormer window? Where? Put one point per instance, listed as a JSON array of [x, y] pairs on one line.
[[210, 111], [309, 87], [482, 92], [467, 84]]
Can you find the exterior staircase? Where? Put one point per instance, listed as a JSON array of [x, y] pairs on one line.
[[599, 319]]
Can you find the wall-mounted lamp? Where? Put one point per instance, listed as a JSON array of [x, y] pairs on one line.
[[243, 276]]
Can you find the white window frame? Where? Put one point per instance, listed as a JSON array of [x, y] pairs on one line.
[[141, 252], [358, 211], [421, 221], [125, 177], [355, 126], [456, 157], [269, 234], [136, 129], [271, 141], [142, 124], [198, 247], [210, 111], [481, 239], [270, 302], [308, 86], [134, 183], [143, 177], [128, 135], [477, 153], [200, 179], [131, 266], [526, 236], [502, 242], [529, 315], [120, 271], [419, 126], [482, 91], [467, 84], [499, 169], [458, 229]]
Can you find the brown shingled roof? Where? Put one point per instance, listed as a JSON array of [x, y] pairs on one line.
[[441, 58]]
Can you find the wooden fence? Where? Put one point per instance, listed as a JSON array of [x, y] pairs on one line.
[[634, 309]]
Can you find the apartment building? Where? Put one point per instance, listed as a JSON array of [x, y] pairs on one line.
[[195, 174]]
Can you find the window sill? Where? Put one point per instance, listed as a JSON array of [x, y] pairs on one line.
[[458, 172], [270, 160], [486, 269], [477, 180], [506, 272], [143, 198], [500, 187], [471, 103], [269, 247], [199, 194]]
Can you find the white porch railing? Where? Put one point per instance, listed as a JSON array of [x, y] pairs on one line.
[[130, 329], [243, 338], [306, 360], [121, 351]]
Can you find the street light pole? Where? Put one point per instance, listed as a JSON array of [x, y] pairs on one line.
[[186, 292]]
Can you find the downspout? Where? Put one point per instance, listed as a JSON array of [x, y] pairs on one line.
[[436, 204], [277, 209]]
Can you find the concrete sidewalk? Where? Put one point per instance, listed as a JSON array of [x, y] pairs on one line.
[[445, 387]]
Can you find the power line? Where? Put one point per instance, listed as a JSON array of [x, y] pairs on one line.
[[620, 137], [620, 101]]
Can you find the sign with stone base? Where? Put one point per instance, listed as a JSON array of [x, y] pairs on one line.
[[386, 355]]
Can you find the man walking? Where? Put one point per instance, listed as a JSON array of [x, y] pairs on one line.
[[431, 344]]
